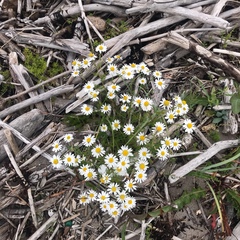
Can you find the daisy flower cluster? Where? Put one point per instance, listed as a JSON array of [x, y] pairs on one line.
[[132, 132]]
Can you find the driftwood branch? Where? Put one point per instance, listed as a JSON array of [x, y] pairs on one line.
[[202, 158]]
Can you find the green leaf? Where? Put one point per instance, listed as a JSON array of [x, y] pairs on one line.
[[155, 213], [217, 120], [235, 102]]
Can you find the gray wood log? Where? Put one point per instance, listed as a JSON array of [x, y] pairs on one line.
[[26, 124]]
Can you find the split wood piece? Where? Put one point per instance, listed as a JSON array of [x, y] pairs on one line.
[[29, 127], [44, 227], [74, 9], [8, 43], [13, 162], [32, 208], [202, 158], [26, 124], [183, 42], [20, 75], [41, 97], [68, 45], [11, 141], [121, 3]]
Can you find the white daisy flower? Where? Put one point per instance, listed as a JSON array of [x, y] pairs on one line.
[[123, 163], [68, 137], [103, 197], [116, 125], [110, 60], [106, 108], [130, 185], [144, 153], [105, 179], [75, 73], [146, 104], [112, 69], [76, 161], [124, 108], [94, 95], [86, 63], [125, 152], [120, 171], [129, 74], [110, 160], [90, 174], [141, 165], [142, 66], [162, 153], [142, 138], [75, 63], [56, 146], [170, 116], [188, 126], [111, 95], [160, 83], [86, 109], [69, 159], [137, 101], [118, 57], [140, 176], [113, 188], [176, 144], [125, 98], [83, 198], [166, 104], [157, 74], [112, 205], [142, 81], [103, 128], [121, 196], [83, 169], [179, 111], [104, 206], [158, 128], [167, 143], [88, 87], [114, 213], [113, 88], [130, 203], [98, 151], [89, 140], [128, 128], [133, 66], [101, 48], [56, 161], [91, 56], [92, 195]]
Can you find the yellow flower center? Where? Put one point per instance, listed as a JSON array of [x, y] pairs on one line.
[[167, 142], [115, 213], [160, 83], [144, 154], [101, 47], [142, 137], [142, 166], [69, 159], [90, 175], [166, 103], [55, 161], [85, 62], [122, 196], [140, 175], [98, 150], [125, 152], [130, 202], [163, 153], [159, 128], [91, 195], [146, 104], [88, 139], [112, 68], [111, 160], [189, 125], [171, 116], [114, 189], [103, 197], [87, 108]]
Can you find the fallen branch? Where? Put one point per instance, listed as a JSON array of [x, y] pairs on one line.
[[202, 158]]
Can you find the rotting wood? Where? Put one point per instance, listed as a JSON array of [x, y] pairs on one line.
[[202, 158]]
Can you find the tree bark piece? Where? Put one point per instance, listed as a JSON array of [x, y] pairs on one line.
[[183, 42], [202, 158]]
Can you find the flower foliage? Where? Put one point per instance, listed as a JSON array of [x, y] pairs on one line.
[[131, 132]]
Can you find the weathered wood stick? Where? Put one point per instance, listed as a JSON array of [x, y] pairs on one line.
[[202, 158], [75, 9], [39, 98], [183, 42]]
